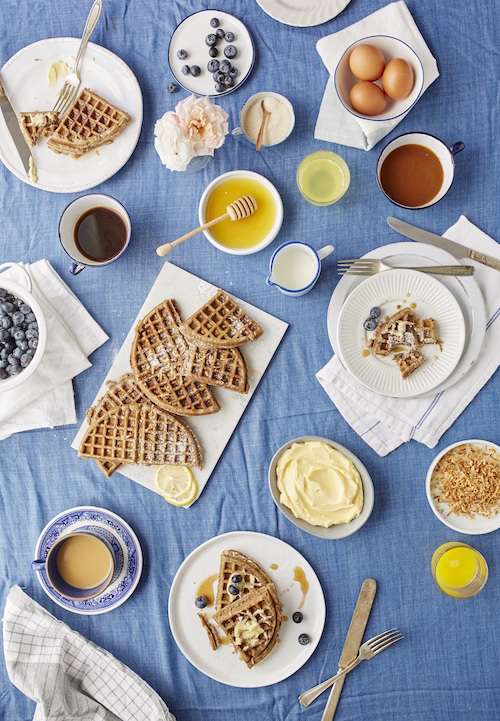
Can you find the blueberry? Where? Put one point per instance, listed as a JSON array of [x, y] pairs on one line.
[[218, 76], [229, 37], [4, 334], [18, 334], [233, 590], [33, 326], [31, 351], [375, 312], [228, 81], [24, 308], [17, 352], [25, 360], [13, 361], [172, 87], [220, 33], [18, 318], [29, 317], [4, 363], [211, 39], [8, 307], [33, 343], [370, 324], [3, 374], [225, 66], [195, 70], [303, 639], [182, 54], [213, 66], [219, 87], [230, 51], [214, 22], [213, 51], [14, 370], [185, 70], [297, 617], [22, 344], [200, 601], [233, 72], [3, 292], [4, 353], [236, 578]]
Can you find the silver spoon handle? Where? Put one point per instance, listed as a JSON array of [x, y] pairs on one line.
[[447, 269]]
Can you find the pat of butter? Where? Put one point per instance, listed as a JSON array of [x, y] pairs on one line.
[[57, 72], [32, 171], [249, 630]]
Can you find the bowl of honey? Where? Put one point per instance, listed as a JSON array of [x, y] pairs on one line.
[[248, 235]]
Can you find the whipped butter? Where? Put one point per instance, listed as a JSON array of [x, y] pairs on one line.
[[319, 484], [248, 630], [57, 72]]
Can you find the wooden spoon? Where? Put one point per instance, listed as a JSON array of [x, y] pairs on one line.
[[242, 207], [265, 115]]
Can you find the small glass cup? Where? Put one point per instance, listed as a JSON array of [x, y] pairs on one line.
[[459, 570], [323, 177]]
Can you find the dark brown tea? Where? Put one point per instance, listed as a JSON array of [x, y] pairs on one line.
[[100, 234], [411, 175]]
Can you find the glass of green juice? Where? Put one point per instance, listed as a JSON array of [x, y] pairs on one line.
[[459, 570], [323, 177]]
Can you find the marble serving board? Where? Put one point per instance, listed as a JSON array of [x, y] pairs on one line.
[[214, 430]]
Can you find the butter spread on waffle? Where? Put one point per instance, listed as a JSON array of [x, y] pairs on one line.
[[90, 122], [221, 322], [141, 434], [37, 124], [224, 367]]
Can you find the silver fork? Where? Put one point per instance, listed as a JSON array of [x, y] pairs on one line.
[[68, 92], [367, 651], [369, 266]]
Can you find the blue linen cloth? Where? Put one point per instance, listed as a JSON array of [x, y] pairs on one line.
[[447, 666]]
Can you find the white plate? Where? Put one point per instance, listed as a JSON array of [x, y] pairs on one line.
[[223, 664], [465, 289], [303, 13], [334, 532], [121, 538], [390, 291], [24, 77], [190, 35], [462, 524]]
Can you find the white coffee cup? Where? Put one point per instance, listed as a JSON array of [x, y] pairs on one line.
[[256, 100], [295, 266]]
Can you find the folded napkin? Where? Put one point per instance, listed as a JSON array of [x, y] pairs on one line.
[[385, 423], [69, 677], [46, 398], [335, 123]]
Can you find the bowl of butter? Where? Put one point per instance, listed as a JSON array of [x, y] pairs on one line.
[[321, 487]]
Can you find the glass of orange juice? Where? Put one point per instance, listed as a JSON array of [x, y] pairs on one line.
[[459, 570]]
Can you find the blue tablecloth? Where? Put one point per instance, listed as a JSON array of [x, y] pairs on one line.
[[447, 666]]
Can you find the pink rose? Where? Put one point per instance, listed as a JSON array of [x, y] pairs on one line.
[[204, 123]]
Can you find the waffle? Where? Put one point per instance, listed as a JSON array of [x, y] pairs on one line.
[[395, 330], [89, 123], [39, 123], [252, 624], [141, 433], [426, 331], [120, 393], [157, 358], [225, 367], [213, 638], [234, 563], [221, 322], [408, 361]]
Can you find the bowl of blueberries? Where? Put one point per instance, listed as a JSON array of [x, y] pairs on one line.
[[23, 333]]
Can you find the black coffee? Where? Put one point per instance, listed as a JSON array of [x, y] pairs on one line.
[[100, 234]]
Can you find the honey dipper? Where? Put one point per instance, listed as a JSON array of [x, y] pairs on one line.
[[240, 208]]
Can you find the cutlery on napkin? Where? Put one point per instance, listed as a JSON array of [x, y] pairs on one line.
[[67, 675], [385, 423], [335, 124]]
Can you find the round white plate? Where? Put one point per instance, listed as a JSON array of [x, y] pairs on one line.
[[190, 35], [24, 78], [333, 532], [462, 524], [121, 538], [303, 13], [391, 290], [223, 664], [464, 288]]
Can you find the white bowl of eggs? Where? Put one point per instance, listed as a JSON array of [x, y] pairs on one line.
[[379, 78]]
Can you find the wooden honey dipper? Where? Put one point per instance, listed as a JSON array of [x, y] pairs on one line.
[[240, 208]]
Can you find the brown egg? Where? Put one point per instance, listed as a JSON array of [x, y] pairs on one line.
[[367, 98], [397, 79], [367, 62]]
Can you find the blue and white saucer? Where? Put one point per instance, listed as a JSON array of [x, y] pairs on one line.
[[119, 535]]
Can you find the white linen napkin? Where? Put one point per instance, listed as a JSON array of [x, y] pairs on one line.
[[46, 399], [68, 676], [385, 423], [335, 124]]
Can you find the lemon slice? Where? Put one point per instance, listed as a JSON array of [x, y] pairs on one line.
[[176, 484]]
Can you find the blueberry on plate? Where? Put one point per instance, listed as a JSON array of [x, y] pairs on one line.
[[214, 22], [220, 87], [212, 66], [172, 87], [185, 70], [200, 601], [211, 39], [14, 370], [230, 51], [3, 374], [225, 66], [213, 51], [297, 617], [29, 317], [182, 54], [233, 590], [370, 324], [8, 307], [375, 312], [228, 81], [195, 70], [236, 578], [303, 639], [229, 37], [25, 360], [233, 72], [220, 33], [218, 76]]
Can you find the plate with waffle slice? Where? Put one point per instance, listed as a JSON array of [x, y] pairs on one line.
[[100, 130], [415, 341], [242, 633], [180, 382]]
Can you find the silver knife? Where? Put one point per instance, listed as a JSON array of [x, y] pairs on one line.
[[456, 249], [14, 130]]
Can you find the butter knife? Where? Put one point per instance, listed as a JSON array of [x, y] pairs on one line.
[[456, 249], [14, 130]]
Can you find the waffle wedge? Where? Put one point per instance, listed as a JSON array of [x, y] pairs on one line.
[[90, 122], [252, 577], [157, 359], [39, 123], [395, 330], [221, 322], [141, 433], [224, 367], [408, 362]]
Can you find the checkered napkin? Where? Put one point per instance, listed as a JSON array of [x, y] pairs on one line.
[[335, 123], [385, 423], [69, 677]]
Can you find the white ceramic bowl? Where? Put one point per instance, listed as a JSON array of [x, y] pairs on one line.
[[24, 292], [334, 532], [277, 223], [391, 48], [462, 524]]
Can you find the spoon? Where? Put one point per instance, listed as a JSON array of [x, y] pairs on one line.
[[242, 207], [265, 115]]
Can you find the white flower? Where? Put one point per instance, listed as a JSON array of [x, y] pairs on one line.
[[173, 146], [204, 123]]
